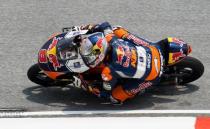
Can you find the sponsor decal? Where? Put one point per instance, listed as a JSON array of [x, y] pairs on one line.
[[77, 82], [133, 58], [141, 87], [52, 54], [128, 57], [137, 40], [77, 65], [120, 54], [42, 56], [156, 64], [161, 60], [177, 55], [141, 59], [53, 44], [53, 59], [173, 57], [129, 54], [99, 45], [149, 61]]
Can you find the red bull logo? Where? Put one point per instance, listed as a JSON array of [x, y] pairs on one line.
[[53, 44], [124, 51], [134, 58], [120, 54], [53, 59], [128, 56], [99, 45], [176, 56], [52, 54]]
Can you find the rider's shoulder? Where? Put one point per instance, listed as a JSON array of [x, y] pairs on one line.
[[115, 27]]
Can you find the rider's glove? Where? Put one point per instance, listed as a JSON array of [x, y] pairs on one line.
[[98, 93], [94, 91], [88, 27], [105, 27], [75, 28]]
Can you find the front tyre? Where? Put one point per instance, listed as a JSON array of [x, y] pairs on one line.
[[36, 75]]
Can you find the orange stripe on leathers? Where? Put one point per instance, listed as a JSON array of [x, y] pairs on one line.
[[120, 94], [155, 70], [202, 123], [53, 75], [120, 32]]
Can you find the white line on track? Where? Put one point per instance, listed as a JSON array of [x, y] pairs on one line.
[[109, 112], [99, 122]]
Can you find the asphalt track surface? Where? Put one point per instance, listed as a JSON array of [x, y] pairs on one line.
[[26, 24]]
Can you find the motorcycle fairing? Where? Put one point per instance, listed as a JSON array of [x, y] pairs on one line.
[[178, 49], [48, 60]]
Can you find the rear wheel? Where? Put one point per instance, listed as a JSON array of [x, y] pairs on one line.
[[188, 70], [36, 75]]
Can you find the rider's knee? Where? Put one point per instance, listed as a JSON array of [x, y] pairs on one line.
[[119, 94]]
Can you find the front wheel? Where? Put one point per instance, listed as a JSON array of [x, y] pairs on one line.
[[36, 75], [188, 70]]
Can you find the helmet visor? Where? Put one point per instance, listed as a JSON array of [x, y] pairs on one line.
[[90, 58], [67, 50]]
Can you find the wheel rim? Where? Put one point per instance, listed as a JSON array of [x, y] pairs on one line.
[[42, 76], [184, 74]]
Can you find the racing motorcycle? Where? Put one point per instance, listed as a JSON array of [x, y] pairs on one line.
[[50, 72]]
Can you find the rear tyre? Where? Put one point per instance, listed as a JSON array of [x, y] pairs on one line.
[[189, 70]]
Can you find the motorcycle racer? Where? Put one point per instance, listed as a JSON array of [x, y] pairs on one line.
[[128, 57], [127, 64]]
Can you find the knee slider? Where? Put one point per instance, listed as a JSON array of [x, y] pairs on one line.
[[120, 94]]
